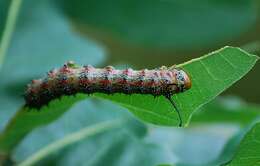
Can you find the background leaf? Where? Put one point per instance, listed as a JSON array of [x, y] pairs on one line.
[[248, 151], [25, 120], [165, 23], [114, 147], [70, 139], [228, 110], [134, 143]]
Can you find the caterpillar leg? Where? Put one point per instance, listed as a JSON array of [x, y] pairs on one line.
[[168, 96]]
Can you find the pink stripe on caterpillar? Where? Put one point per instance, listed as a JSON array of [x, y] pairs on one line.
[[71, 79]]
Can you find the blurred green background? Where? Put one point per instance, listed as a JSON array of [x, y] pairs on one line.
[[136, 33]]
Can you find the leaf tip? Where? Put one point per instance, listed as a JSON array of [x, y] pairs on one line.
[[243, 51]]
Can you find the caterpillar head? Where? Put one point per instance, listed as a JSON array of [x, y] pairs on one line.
[[183, 80], [180, 83]]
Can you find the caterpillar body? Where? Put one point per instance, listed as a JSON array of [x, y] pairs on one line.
[[71, 79]]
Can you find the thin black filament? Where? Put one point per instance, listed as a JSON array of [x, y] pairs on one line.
[[175, 107]]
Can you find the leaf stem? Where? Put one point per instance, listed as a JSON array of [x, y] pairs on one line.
[[9, 28], [70, 139]]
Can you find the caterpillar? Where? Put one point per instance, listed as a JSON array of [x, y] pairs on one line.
[[72, 78]]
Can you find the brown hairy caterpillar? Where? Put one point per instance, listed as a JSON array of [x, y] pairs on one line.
[[71, 79]]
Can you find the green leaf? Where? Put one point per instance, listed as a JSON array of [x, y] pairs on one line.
[[165, 23], [208, 81], [248, 152]]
